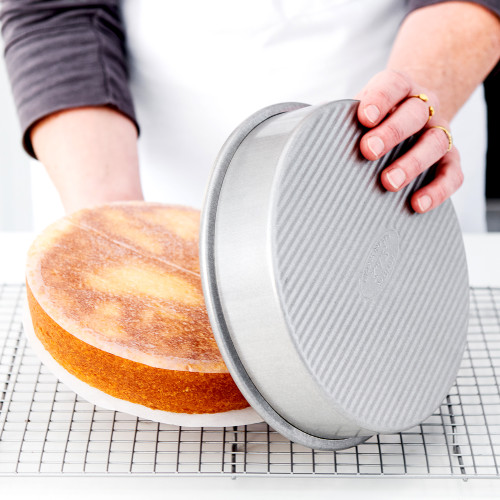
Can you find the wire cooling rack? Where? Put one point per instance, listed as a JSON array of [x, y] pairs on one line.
[[46, 429]]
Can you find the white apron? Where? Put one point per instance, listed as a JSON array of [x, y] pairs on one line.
[[199, 68]]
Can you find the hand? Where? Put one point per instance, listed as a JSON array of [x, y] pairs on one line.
[[387, 108]]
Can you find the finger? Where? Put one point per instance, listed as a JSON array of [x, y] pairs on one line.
[[431, 146], [449, 177], [408, 118], [384, 91]]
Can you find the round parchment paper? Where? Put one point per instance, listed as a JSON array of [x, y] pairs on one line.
[[99, 398]]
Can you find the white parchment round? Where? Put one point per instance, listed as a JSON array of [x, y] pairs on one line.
[[100, 398]]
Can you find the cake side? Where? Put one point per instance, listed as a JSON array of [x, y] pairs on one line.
[[156, 388]]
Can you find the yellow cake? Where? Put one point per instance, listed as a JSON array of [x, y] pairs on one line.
[[115, 297]]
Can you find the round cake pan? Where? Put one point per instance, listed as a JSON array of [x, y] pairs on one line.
[[339, 311]]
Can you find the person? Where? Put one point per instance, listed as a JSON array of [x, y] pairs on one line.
[[198, 69]]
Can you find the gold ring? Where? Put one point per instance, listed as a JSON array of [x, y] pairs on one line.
[[423, 97], [448, 134]]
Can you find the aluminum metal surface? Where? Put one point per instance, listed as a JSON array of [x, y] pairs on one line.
[[339, 312]]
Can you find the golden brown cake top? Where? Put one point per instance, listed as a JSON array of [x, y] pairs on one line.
[[125, 278]]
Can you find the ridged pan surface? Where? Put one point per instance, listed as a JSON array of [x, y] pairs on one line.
[[375, 295], [340, 312]]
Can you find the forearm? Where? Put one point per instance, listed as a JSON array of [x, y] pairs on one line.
[[90, 155], [449, 48]]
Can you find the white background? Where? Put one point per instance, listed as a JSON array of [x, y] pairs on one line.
[[15, 197]]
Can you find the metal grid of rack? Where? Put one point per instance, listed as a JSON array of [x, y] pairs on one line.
[[46, 429]]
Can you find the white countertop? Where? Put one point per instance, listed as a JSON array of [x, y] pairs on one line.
[[483, 255], [246, 488]]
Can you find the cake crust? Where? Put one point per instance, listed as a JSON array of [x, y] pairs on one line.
[[125, 279]]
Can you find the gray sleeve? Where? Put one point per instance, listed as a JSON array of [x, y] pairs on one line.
[[493, 5], [64, 54]]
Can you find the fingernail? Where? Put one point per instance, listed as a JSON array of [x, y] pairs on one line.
[[396, 177], [372, 113], [424, 202], [376, 145]]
